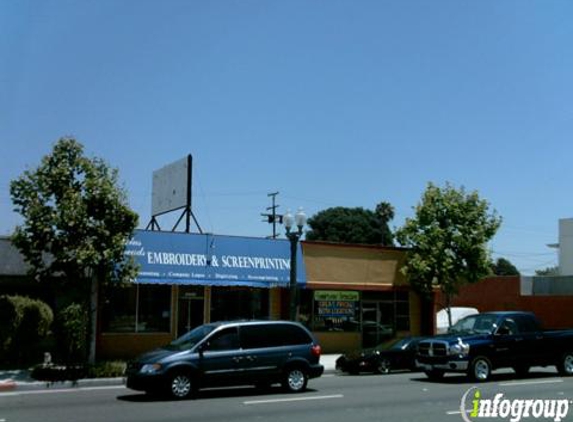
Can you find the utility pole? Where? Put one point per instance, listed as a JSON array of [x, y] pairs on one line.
[[272, 217]]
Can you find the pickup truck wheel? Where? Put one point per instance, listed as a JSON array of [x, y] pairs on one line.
[[565, 367], [434, 374], [295, 380], [480, 369]]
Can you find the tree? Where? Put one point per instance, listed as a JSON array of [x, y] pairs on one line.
[[447, 239], [353, 225], [504, 267], [76, 222]]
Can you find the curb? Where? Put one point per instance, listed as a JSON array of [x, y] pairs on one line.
[[7, 385], [60, 385]]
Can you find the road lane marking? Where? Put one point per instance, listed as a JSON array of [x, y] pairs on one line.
[[334, 396], [457, 412], [518, 383]]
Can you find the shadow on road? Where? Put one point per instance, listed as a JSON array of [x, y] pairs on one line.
[[373, 374], [495, 377], [214, 393]]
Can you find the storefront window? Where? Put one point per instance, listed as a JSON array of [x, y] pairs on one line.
[[140, 308], [229, 303], [384, 314], [402, 311], [306, 300], [378, 315], [154, 311], [336, 310]]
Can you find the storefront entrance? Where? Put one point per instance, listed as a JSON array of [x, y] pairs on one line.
[[191, 306], [377, 322]]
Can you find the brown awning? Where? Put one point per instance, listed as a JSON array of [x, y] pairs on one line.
[[333, 266]]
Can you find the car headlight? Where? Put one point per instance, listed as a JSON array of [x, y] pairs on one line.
[[460, 348], [150, 368]]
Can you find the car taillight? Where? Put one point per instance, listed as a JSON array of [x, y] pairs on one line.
[[316, 350]]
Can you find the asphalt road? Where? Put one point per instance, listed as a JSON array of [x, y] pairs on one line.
[[400, 397]]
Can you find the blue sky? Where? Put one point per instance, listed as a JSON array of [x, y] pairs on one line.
[[328, 102]]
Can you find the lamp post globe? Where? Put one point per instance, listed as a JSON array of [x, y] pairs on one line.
[[300, 219], [288, 221]]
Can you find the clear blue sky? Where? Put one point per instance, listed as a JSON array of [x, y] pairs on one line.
[[328, 102]]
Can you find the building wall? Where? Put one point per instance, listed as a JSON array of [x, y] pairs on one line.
[[504, 294], [362, 268], [127, 346], [566, 246], [338, 342]]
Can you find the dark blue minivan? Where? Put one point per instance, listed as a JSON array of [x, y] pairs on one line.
[[257, 353]]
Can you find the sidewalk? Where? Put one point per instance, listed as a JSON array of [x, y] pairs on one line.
[[20, 380]]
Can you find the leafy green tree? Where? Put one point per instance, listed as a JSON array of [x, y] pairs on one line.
[[504, 267], [448, 239], [76, 222], [353, 225]]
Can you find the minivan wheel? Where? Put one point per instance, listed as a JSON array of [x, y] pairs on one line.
[[295, 380], [565, 366], [180, 385], [480, 369]]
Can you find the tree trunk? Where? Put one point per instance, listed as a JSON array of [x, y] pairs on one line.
[[93, 318]]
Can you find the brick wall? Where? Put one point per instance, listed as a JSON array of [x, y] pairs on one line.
[[503, 294]]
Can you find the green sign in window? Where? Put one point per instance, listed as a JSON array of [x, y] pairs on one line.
[[336, 295]]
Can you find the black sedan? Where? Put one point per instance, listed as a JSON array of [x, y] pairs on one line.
[[382, 359]]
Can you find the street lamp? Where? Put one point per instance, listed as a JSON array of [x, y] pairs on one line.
[[293, 236]]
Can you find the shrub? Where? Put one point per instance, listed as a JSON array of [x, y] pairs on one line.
[[58, 373], [107, 369], [9, 322], [24, 323], [72, 333]]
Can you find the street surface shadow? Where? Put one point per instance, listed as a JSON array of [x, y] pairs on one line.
[[374, 374], [495, 377], [211, 393]]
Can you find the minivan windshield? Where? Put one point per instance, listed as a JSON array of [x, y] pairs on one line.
[[190, 339], [475, 324]]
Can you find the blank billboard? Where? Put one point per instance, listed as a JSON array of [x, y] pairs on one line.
[[170, 187]]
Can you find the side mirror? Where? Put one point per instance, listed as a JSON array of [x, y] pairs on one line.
[[201, 349]]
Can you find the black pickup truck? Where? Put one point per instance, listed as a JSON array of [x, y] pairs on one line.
[[478, 344]]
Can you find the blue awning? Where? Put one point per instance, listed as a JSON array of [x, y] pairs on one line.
[[212, 260]]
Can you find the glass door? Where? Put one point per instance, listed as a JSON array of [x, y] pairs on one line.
[[190, 309], [377, 322]]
